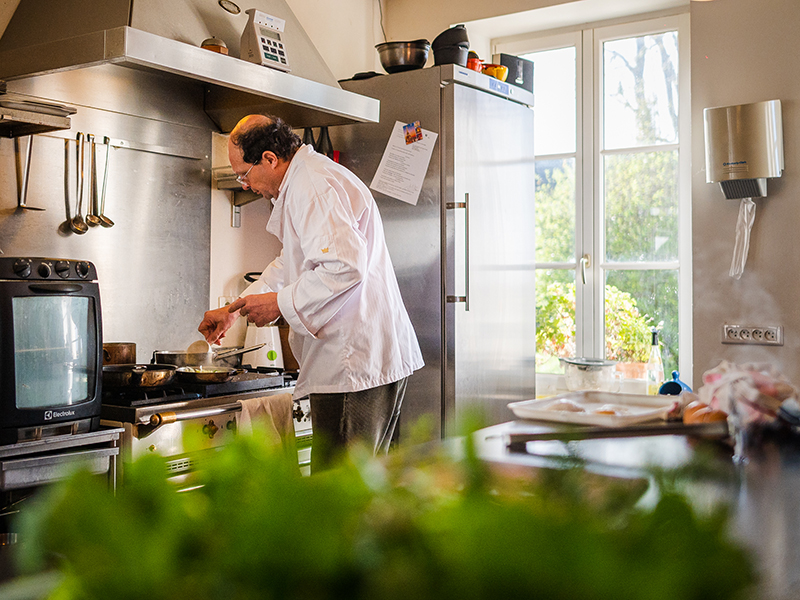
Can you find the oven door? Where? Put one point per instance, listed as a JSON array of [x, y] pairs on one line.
[[50, 340], [182, 436]]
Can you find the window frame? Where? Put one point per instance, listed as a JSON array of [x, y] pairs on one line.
[[589, 152]]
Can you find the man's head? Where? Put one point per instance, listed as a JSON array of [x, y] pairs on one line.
[[260, 149]]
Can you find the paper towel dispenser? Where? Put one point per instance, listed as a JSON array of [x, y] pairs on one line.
[[744, 146]]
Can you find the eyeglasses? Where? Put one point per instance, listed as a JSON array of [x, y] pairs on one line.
[[241, 178]]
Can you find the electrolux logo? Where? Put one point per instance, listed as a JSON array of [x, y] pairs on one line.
[[57, 414], [732, 164]]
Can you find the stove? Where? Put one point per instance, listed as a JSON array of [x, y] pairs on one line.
[[241, 383], [157, 420]]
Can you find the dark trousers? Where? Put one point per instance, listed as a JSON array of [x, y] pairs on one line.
[[367, 417]]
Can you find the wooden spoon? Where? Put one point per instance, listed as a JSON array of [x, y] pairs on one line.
[[200, 346]]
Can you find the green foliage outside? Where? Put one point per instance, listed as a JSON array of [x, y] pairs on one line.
[[420, 525], [628, 332]]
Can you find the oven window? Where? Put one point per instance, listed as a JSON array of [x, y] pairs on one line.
[[54, 350]]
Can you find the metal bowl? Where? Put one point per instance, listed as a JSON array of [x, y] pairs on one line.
[[403, 56]]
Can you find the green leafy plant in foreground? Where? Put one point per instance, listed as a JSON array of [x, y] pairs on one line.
[[417, 525]]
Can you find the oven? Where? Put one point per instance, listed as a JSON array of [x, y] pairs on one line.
[[158, 420], [50, 342]]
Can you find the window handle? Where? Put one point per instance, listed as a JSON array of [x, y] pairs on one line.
[[586, 261]]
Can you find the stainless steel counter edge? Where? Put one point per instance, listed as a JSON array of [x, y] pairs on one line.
[[129, 47]]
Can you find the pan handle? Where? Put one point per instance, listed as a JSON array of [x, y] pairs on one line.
[[234, 352]]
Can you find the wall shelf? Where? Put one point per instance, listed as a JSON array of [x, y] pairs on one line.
[[18, 123]]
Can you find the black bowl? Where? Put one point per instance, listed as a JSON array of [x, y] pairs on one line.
[[450, 55]]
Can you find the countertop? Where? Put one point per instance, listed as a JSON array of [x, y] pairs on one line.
[[762, 492]]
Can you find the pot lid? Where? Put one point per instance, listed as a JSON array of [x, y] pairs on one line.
[[588, 363], [213, 41]]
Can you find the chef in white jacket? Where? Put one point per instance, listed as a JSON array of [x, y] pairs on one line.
[[333, 283]]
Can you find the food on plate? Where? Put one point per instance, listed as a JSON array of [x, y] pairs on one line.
[[565, 405], [611, 409], [705, 415], [692, 408]]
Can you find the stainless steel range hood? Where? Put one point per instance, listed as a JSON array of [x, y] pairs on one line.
[[48, 36]]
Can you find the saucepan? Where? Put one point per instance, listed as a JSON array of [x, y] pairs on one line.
[[137, 376], [231, 357], [119, 353], [590, 374]]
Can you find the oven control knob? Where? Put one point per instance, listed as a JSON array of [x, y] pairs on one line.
[[62, 269], [210, 429], [22, 268], [82, 269], [44, 270]]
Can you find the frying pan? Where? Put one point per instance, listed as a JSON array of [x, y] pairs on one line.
[[226, 358], [137, 376], [204, 374]]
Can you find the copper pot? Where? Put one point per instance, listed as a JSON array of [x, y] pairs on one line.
[[119, 353]]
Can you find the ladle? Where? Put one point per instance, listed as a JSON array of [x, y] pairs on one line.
[[77, 224], [91, 214], [104, 220]]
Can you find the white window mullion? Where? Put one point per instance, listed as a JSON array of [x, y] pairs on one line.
[[686, 338], [586, 338]]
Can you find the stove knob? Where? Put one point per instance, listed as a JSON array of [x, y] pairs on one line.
[[210, 429], [62, 269], [82, 269], [22, 268], [44, 270]]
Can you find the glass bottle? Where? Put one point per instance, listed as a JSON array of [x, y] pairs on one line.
[[324, 145], [655, 367], [308, 137]]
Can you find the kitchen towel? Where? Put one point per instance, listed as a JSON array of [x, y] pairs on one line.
[[274, 416]]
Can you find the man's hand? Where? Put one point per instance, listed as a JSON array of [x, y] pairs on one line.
[[261, 309], [215, 323]]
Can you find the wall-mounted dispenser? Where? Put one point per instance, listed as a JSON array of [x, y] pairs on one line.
[[744, 147]]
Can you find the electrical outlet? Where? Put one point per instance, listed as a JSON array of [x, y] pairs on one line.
[[746, 334]]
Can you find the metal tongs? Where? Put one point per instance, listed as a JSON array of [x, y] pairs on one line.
[[235, 351]]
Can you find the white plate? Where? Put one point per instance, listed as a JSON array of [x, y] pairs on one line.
[[638, 409]]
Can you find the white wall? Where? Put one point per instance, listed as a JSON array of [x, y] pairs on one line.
[[742, 52], [345, 33], [7, 8]]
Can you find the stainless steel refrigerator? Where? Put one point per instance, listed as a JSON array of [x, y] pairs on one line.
[[464, 254]]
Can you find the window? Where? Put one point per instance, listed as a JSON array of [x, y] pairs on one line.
[[613, 194]]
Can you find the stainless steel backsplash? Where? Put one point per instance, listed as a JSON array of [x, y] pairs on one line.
[[153, 265]]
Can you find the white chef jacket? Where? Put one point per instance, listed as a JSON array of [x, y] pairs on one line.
[[335, 281]]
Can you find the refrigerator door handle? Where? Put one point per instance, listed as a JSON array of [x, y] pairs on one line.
[[465, 206]]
